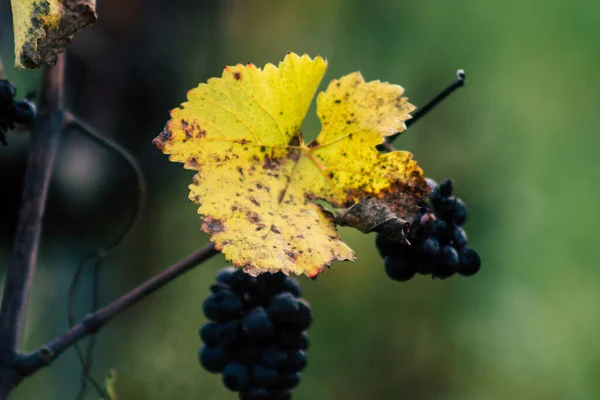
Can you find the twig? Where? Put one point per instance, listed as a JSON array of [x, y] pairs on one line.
[[45, 137], [421, 112], [95, 321]]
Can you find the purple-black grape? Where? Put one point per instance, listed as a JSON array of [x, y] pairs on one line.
[[430, 246], [263, 376], [257, 324], [274, 356], [399, 269], [291, 285], [208, 334], [287, 338], [222, 306], [283, 307], [281, 395], [459, 237], [385, 246], [460, 212], [214, 359], [23, 112], [218, 287], [225, 275], [247, 353], [235, 376], [446, 187], [288, 380], [7, 94], [255, 394], [304, 317], [449, 257], [296, 361], [432, 184], [227, 332], [304, 342], [470, 262]]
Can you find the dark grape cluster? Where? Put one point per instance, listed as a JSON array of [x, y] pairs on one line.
[[257, 335], [438, 243], [13, 112]]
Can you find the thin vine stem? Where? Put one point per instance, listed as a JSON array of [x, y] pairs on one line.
[[460, 81], [74, 123]]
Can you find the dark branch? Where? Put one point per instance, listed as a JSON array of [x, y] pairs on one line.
[[95, 321], [421, 112], [45, 137]]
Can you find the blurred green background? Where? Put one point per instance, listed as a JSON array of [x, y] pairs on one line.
[[520, 140]]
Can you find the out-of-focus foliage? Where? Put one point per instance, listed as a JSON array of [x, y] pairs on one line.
[[257, 178], [43, 28], [520, 140], [110, 385]]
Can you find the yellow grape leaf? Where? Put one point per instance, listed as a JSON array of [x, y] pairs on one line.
[[257, 180], [43, 28]]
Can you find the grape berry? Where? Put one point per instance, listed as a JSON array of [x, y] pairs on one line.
[[257, 338], [13, 112], [438, 242]]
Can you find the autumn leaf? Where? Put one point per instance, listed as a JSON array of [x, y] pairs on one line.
[[258, 182], [43, 28]]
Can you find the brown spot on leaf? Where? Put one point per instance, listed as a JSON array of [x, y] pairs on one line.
[[200, 133], [240, 170], [291, 254], [293, 155], [253, 201], [237, 76], [294, 141], [193, 162], [275, 230], [272, 163], [253, 217], [212, 225], [162, 138]]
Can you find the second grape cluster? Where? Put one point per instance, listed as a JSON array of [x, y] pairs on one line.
[[13, 112], [257, 336]]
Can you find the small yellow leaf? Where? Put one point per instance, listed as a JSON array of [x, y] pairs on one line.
[[110, 383], [43, 28], [257, 181]]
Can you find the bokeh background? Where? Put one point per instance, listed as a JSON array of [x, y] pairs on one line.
[[521, 141]]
